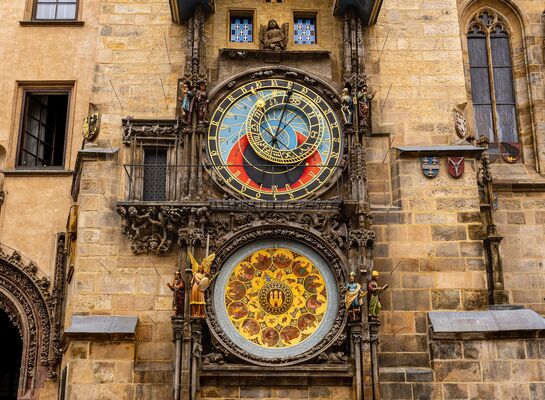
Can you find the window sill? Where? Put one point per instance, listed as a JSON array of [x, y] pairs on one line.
[[51, 22], [38, 172]]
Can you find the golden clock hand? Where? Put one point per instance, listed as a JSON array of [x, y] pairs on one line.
[[289, 93]]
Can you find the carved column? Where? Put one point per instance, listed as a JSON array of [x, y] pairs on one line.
[[196, 353], [355, 344], [177, 335], [373, 342], [494, 268]]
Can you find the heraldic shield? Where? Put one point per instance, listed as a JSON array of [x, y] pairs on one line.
[[510, 152], [456, 166], [430, 166]]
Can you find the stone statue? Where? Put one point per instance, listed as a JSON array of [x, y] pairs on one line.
[[353, 297], [199, 284], [186, 96], [201, 102], [178, 300], [347, 106], [363, 100], [272, 37], [374, 291]]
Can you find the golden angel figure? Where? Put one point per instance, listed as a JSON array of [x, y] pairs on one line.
[[199, 284]]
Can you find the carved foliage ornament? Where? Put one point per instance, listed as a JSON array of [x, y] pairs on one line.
[[24, 296], [146, 129]]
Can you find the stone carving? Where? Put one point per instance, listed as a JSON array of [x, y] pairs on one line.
[[149, 129], [178, 295], [299, 234], [199, 283], [150, 228], [358, 164], [22, 289], [201, 103], [352, 300], [460, 125], [334, 357], [363, 102], [186, 100], [272, 37], [374, 291], [358, 238], [347, 107], [213, 358]]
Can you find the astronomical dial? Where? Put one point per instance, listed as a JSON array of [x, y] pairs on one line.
[[274, 139]]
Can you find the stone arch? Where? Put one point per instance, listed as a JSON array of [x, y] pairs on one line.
[[25, 297], [525, 99]]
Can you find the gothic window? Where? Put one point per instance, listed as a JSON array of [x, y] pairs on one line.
[[241, 29], [304, 30], [43, 135], [491, 74], [55, 9]]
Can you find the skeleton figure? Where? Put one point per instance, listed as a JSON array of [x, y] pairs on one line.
[[347, 106]]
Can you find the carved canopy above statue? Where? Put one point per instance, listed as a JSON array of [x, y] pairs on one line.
[[182, 10], [366, 10]]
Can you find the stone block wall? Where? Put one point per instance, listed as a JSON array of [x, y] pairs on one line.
[[100, 370], [288, 392], [521, 222], [489, 369], [429, 250]]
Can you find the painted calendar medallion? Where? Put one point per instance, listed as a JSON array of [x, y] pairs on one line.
[[275, 298]]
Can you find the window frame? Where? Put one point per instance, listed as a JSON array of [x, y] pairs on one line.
[[305, 14], [53, 20], [241, 13], [500, 20], [22, 117]]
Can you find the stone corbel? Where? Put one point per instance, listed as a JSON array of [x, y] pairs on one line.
[[150, 228]]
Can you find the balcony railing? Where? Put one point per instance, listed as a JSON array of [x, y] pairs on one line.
[[194, 183]]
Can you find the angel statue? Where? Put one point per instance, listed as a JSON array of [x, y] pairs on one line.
[[272, 37], [199, 283]]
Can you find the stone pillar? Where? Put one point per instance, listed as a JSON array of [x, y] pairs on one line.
[[356, 339], [196, 352], [373, 339], [177, 334]]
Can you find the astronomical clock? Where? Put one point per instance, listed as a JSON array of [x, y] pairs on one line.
[[268, 209]]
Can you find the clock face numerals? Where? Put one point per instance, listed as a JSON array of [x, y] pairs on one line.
[[274, 139]]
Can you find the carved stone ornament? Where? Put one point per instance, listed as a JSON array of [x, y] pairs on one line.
[[25, 298], [272, 37], [298, 234], [150, 129], [358, 238], [460, 125], [158, 228]]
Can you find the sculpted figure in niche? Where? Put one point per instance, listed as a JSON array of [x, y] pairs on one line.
[[272, 37], [178, 299], [185, 99], [374, 291], [347, 106], [201, 102], [199, 284], [353, 297], [363, 99]]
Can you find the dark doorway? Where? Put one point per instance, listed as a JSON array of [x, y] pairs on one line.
[[12, 347]]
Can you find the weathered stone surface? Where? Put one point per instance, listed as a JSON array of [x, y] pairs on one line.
[[457, 371], [446, 350], [455, 391], [446, 299]]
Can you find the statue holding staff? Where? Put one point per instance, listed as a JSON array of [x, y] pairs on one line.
[[178, 298]]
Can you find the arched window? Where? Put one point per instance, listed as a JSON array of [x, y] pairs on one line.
[[492, 79]]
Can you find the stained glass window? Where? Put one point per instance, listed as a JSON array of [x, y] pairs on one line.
[[241, 29], [305, 31]]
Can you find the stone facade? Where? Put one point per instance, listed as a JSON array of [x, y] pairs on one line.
[[128, 58]]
